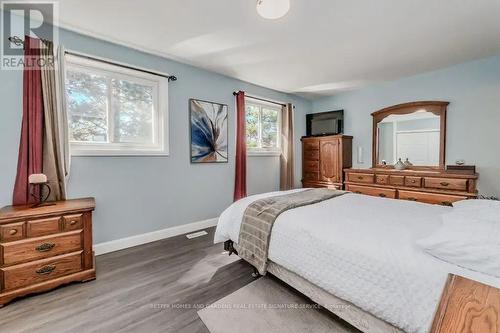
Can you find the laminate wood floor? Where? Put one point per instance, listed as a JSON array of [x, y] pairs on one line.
[[148, 288], [156, 287]]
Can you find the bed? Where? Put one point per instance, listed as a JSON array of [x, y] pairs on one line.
[[357, 256]]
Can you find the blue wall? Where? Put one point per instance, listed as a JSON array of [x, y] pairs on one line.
[[473, 134], [141, 194]]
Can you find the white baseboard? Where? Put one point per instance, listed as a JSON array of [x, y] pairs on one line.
[[123, 243]]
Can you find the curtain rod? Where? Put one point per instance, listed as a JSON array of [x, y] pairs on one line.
[[18, 41], [169, 77], [260, 99]]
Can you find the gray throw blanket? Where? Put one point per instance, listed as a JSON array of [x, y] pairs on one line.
[[259, 217]]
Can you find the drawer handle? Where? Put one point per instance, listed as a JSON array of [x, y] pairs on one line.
[[45, 270], [45, 247], [360, 177], [382, 195], [73, 222], [444, 184], [412, 199], [446, 203], [13, 232], [413, 181]]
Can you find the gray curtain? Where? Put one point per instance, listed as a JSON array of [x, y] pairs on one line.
[[287, 149], [56, 143]]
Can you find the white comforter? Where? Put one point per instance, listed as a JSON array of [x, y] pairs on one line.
[[361, 249]]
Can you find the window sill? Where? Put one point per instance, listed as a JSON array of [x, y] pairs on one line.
[[263, 153], [116, 153], [96, 151]]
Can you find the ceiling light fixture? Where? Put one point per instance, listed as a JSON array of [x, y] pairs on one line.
[[273, 9]]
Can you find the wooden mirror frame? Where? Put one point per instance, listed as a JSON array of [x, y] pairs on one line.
[[436, 107]]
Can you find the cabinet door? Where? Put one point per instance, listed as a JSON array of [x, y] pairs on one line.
[[329, 160]]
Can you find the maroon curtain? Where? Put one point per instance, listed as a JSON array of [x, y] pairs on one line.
[[240, 182], [31, 144]]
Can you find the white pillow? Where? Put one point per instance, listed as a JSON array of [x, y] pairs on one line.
[[466, 240], [478, 209], [477, 204]]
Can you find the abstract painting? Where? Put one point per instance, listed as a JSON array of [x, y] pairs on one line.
[[208, 132]]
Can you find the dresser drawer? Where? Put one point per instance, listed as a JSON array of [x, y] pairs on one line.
[[446, 183], [42, 270], [42, 227], [311, 166], [311, 144], [42, 247], [312, 155], [431, 198], [373, 191], [361, 178], [12, 232], [413, 181], [382, 179], [72, 222], [397, 180]]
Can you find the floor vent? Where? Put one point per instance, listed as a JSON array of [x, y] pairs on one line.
[[196, 234]]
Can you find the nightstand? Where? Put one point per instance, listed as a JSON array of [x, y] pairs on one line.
[[467, 306], [44, 247]]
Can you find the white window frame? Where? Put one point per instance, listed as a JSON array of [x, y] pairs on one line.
[[160, 145], [264, 151]]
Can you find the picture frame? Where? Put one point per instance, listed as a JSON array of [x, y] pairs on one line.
[[209, 134]]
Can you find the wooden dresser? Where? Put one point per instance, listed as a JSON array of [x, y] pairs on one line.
[[44, 247], [467, 306], [323, 160], [429, 186]]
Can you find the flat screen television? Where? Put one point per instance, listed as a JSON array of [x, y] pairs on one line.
[[325, 123]]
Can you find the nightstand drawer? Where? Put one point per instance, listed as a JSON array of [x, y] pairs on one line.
[[42, 247], [72, 222], [43, 227], [12, 232], [42, 270]]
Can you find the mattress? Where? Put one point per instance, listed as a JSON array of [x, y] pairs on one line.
[[361, 249]]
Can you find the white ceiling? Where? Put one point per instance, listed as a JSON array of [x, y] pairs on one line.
[[319, 48]]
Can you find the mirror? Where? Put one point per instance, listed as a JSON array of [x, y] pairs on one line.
[[411, 132]]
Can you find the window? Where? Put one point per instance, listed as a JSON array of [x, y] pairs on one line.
[[263, 128], [114, 110]]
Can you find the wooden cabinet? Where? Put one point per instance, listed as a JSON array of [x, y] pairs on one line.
[[427, 186], [323, 160], [44, 247]]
